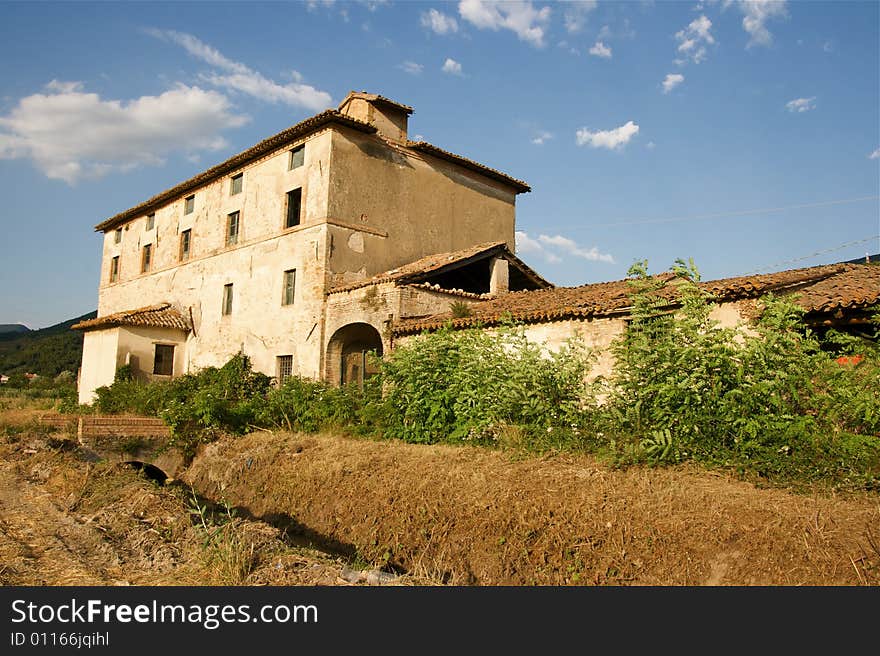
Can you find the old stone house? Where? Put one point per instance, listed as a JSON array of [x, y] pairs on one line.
[[340, 236], [301, 252]]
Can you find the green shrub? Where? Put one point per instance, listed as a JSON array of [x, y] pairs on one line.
[[772, 403], [301, 404], [467, 385]]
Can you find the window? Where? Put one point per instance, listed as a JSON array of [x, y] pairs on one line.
[[147, 258], [114, 269], [189, 205], [235, 184], [232, 225], [118, 236], [151, 221], [227, 299], [163, 360], [284, 365], [297, 157], [289, 287], [294, 203], [185, 243]]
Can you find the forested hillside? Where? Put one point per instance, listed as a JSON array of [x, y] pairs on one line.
[[46, 352]]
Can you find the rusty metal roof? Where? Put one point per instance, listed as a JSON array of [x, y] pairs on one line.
[[417, 271], [820, 289], [162, 315]]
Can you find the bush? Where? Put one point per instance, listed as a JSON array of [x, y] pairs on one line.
[[468, 385], [773, 403], [301, 404]]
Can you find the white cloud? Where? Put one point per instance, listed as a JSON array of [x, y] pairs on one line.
[[757, 13], [799, 105], [650, 145], [451, 66], [568, 246], [71, 135], [519, 16], [599, 49], [238, 77], [875, 154], [692, 40], [542, 137], [525, 244], [438, 22], [411, 67], [576, 12], [610, 139], [623, 30], [64, 87], [671, 81]]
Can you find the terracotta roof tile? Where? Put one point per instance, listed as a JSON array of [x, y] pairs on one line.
[[820, 289], [416, 271], [157, 316], [856, 287], [264, 147], [755, 285], [494, 174]]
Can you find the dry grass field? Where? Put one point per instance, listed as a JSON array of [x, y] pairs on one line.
[[331, 510], [474, 516]]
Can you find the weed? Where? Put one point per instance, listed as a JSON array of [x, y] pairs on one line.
[[224, 547]]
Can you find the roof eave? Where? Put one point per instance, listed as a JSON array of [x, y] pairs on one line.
[[262, 148], [498, 176]]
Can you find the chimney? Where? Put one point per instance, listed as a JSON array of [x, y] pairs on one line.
[[499, 276], [390, 118]]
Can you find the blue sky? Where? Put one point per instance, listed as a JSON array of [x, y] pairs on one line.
[[743, 134]]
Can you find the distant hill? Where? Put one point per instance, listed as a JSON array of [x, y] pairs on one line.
[[15, 328], [46, 352]]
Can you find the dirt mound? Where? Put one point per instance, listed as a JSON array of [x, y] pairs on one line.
[[67, 520], [472, 516]]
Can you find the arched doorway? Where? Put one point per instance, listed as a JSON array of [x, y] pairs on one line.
[[348, 354]]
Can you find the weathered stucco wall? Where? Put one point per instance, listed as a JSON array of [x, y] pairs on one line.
[[259, 324], [597, 335], [262, 203], [98, 363], [424, 204], [137, 345]]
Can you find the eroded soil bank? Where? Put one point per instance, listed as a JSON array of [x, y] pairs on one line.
[[473, 516], [67, 519]]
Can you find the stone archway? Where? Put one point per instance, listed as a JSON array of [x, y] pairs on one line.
[[348, 352]]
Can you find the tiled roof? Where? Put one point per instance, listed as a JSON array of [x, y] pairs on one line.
[[755, 285], [422, 268], [820, 289], [157, 316], [602, 298], [266, 146], [430, 149], [856, 287]]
